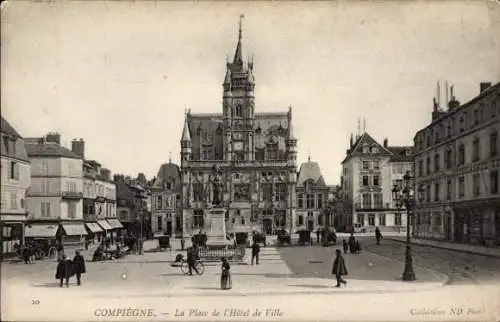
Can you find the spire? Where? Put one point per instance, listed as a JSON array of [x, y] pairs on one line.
[[309, 156], [185, 131], [169, 157], [227, 79], [364, 125], [351, 141], [237, 55]]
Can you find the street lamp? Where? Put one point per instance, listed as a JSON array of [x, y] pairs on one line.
[[405, 197]]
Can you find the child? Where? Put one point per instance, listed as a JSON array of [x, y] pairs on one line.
[[345, 246]]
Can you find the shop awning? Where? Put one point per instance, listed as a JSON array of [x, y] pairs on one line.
[[104, 225], [74, 229], [93, 227], [41, 230], [115, 223]]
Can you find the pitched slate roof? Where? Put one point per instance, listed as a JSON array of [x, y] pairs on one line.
[[366, 140], [12, 137], [168, 172], [401, 153], [310, 171], [49, 150]]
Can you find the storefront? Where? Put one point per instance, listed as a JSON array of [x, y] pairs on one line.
[[105, 227], [73, 235], [43, 234], [94, 231], [116, 228], [12, 235], [477, 222]]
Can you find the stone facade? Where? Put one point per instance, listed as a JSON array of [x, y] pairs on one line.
[[15, 180], [256, 153], [457, 164], [369, 173]]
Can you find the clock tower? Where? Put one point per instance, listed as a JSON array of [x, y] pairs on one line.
[[238, 107]]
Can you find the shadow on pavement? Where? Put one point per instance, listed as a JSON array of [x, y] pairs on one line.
[[204, 288], [51, 285]]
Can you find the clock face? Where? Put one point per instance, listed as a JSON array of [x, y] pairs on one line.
[[238, 146]]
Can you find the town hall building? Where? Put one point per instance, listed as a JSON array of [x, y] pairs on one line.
[[256, 153]]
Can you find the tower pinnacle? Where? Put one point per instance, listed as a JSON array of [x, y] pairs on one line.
[[238, 54]]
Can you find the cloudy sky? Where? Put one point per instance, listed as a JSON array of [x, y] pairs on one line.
[[120, 74]]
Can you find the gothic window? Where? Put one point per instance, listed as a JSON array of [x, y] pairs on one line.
[[259, 154], [159, 202], [267, 191], [300, 200], [238, 111], [281, 192], [198, 221], [320, 200], [310, 201], [272, 151], [198, 191]]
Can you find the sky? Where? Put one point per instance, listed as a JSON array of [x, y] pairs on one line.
[[121, 74]]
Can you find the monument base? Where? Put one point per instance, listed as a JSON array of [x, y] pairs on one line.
[[216, 234]]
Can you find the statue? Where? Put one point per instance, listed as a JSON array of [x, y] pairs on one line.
[[216, 180]]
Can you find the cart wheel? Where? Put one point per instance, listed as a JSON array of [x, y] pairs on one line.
[[184, 268]]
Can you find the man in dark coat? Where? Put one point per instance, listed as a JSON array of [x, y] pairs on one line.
[[339, 268], [26, 254], [64, 270], [191, 260], [378, 235], [255, 252], [352, 243], [78, 267]]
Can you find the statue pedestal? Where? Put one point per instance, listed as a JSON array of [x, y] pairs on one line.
[[216, 234]]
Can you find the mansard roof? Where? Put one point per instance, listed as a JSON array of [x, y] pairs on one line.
[[19, 152], [401, 153], [310, 171], [167, 172]]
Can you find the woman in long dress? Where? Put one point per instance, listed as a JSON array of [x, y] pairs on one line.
[[225, 278]]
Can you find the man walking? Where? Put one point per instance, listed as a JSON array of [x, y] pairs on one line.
[[64, 271], [378, 235], [339, 268], [255, 252], [191, 260], [79, 267]]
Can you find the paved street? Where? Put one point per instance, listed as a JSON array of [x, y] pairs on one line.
[[462, 268]]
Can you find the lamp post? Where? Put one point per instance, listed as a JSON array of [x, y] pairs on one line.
[[405, 197]]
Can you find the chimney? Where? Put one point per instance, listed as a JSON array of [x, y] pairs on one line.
[[78, 147], [118, 178], [54, 137], [386, 143], [484, 86], [106, 174]]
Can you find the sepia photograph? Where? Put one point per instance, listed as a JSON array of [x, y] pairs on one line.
[[250, 160]]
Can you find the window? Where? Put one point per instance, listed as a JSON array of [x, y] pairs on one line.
[[158, 203], [476, 117], [449, 190], [437, 219], [14, 171], [421, 167], [494, 182], [366, 165], [476, 150], [160, 226], [13, 200], [361, 219], [428, 193], [300, 200], [449, 131], [436, 163], [366, 149], [377, 200], [461, 187], [367, 200], [475, 184], [494, 144], [397, 220], [320, 200], [436, 192], [267, 192], [198, 219], [301, 220], [429, 165], [462, 123], [494, 108], [461, 154], [243, 220], [371, 220], [365, 181], [376, 164], [376, 180], [281, 192], [449, 158], [381, 219], [197, 192], [71, 209], [310, 201]]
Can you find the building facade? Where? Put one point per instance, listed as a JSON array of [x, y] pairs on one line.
[[256, 153], [131, 205], [457, 163], [166, 196], [312, 197], [369, 173], [15, 180], [54, 199]]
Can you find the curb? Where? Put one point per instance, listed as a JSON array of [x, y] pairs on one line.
[[444, 247]]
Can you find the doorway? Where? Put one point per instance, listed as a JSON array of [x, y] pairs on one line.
[[267, 226], [310, 225], [169, 228]]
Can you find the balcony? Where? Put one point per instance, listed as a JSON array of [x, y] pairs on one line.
[[72, 195]]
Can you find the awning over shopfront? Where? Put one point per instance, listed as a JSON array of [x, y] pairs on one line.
[[115, 223], [41, 230], [74, 229], [104, 225], [93, 227]]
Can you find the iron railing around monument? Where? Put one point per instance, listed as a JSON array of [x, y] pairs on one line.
[[231, 253]]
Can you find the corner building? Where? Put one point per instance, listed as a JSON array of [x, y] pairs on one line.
[[457, 163], [256, 153]]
